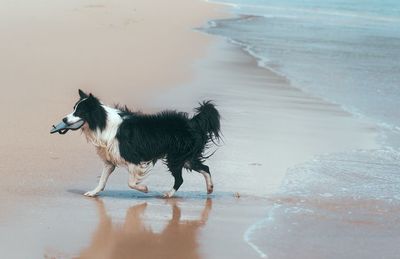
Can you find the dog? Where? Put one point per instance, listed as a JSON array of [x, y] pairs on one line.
[[137, 141]]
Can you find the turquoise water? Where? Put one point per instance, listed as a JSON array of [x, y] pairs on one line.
[[372, 8], [347, 52]]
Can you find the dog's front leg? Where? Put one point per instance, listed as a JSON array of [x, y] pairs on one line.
[[107, 170]]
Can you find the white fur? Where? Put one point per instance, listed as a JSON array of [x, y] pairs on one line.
[[209, 183], [170, 193], [136, 175], [105, 140], [108, 169]]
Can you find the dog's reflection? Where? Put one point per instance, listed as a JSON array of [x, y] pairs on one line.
[[136, 240]]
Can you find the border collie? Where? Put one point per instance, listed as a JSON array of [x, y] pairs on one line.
[[136, 141]]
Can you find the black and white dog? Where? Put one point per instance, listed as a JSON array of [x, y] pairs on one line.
[[137, 141]]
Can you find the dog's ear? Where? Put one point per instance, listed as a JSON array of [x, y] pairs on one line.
[[91, 96], [82, 94]]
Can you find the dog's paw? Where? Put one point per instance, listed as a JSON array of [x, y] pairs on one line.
[[169, 194], [144, 188], [91, 193], [210, 189]]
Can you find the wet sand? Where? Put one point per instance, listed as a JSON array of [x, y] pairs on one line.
[[124, 224], [268, 127]]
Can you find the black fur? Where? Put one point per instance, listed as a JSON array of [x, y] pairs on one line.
[[89, 109], [169, 135], [207, 120]]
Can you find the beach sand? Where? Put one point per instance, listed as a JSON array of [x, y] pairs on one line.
[[147, 56], [123, 51]]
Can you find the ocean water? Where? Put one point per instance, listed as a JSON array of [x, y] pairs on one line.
[[348, 53]]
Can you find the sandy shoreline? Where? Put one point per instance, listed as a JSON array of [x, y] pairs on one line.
[[268, 127], [112, 49]]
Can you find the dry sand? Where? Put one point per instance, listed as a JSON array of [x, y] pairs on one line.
[[133, 52]]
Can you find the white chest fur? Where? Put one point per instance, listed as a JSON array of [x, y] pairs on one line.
[[105, 140], [110, 153]]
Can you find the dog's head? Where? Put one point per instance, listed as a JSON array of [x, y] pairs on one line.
[[87, 109]]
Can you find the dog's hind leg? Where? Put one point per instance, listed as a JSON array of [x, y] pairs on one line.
[[177, 174], [136, 174], [107, 170], [205, 171]]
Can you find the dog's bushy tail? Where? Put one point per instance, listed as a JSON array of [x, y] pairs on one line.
[[207, 120]]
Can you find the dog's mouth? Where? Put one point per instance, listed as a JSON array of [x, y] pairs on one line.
[[63, 127]]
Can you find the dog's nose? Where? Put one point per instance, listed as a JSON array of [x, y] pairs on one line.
[[65, 120]]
